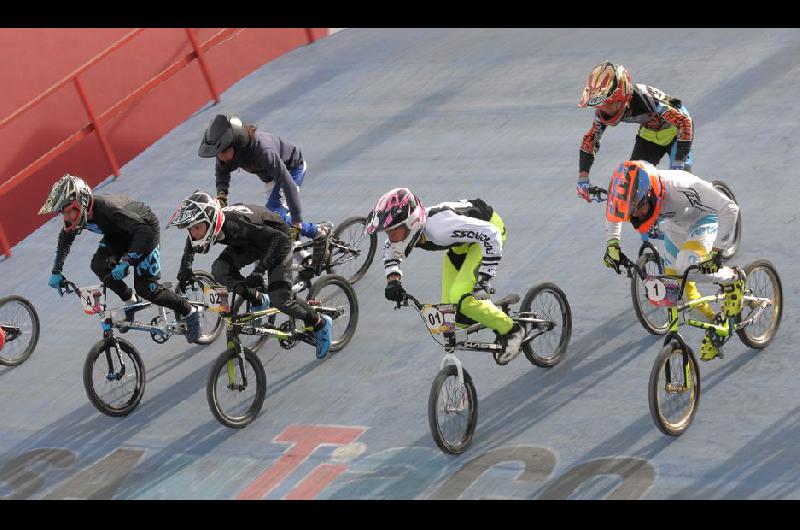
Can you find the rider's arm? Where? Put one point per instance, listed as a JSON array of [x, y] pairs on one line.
[[680, 119], [143, 238], [188, 254], [727, 212], [271, 162], [613, 230], [223, 178], [271, 243], [392, 256], [590, 145], [448, 228], [65, 240]]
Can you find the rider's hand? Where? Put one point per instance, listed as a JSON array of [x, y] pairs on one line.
[[614, 255], [222, 198], [583, 190], [677, 164], [255, 280], [483, 287], [121, 269], [394, 291], [295, 232], [55, 280], [712, 263], [185, 278]]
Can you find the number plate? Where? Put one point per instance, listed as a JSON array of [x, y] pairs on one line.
[[92, 299], [439, 318], [662, 292], [216, 298]]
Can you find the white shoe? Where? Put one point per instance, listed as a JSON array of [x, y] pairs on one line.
[[513, 342]]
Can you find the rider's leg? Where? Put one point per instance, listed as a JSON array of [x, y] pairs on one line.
[[671, 236], [647, 151], [100, 266], [147, 274], [225, 270]]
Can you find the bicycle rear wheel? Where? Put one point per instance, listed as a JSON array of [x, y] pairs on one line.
[[762, 281], [352, 249], [335, 292], [211, 323], [234, 402], [548, 302], [452, 410], [114, 379], [737, 234], [654, 319], [21, 325], [674, 389]]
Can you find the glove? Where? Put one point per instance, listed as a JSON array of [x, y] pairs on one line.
[[583, 190], [222, 198], [483, 287], [614, 255], [121, 269], [677, 164], [394, 291], [295, 232], [712, 263], [185, 278], [255, 281], [55, 280]]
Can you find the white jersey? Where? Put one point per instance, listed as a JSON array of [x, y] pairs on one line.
[[450, 224], [687, 199]]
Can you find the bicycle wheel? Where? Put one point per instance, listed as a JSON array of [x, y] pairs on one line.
[[762, 281], [114, 379], [21, 325], [233, 402], [335, 292], [251, 342], [654, 319], [352, 249], [452, 410], [737, 233], [547, 301], [674, 389], [211, 324]]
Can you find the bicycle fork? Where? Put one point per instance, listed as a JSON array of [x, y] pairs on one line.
[[111, 342]]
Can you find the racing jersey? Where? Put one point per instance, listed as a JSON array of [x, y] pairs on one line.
[[687, 199], [450, 224], [661, 118], [123, 222]]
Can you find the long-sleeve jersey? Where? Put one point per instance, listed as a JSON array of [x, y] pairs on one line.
[[450, 224], [651, 108], [124, 224], [687, 199], [250, 228], [271, 158]]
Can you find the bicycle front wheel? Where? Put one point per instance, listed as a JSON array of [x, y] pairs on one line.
[[334, 292], [452, 410], [652, 318], [211, 323], [737, 232], [674, 389], [114, 377], [352, 249], [21, 327], [236, 388], [762, 281], [548, 302]]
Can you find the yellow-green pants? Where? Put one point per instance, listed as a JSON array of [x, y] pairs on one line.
[[458, 282]]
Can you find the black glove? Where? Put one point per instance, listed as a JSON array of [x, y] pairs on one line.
[[222, 198], [255, 280], [394, 291], [185, 278], [712, 264], [483, 289]]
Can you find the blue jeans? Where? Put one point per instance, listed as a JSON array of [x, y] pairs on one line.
[[275, 202]]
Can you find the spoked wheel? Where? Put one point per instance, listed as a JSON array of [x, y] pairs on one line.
[[654, 319], [236, 388], [452, 410], [762, 282], [211, 323], [114, 377], [21, 328], [352, 249], [333, 291], [548, 302], [737, 234], [674, 390]]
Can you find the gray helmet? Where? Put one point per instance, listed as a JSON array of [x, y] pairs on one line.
[[70, 192], [223, 131], [199, 207]]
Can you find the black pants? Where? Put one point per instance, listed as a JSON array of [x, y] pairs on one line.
[[225, 270], [652, 152], [145, 278]]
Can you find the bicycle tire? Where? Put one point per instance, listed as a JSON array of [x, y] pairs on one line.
[[204, 278], [337, 343], [220, 366], [747, 335], [737, 234], [566, 324], [456, 446], [35, 326], [95, 397], [338, 256], [641, 305], [655, 402]]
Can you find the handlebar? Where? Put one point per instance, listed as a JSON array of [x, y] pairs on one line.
[[597, 193], [405, 300], [631, 267]]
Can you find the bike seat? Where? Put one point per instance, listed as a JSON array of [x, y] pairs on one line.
[[507, 300]]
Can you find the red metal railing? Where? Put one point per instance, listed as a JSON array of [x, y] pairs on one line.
[[95, 122]]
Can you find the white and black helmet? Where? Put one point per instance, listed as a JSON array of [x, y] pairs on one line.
[[199, 207], [222, 132], [70, 192]]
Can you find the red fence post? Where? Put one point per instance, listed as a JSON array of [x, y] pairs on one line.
[[4, 248], [96, 125], [203, 65], [310, 35]]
